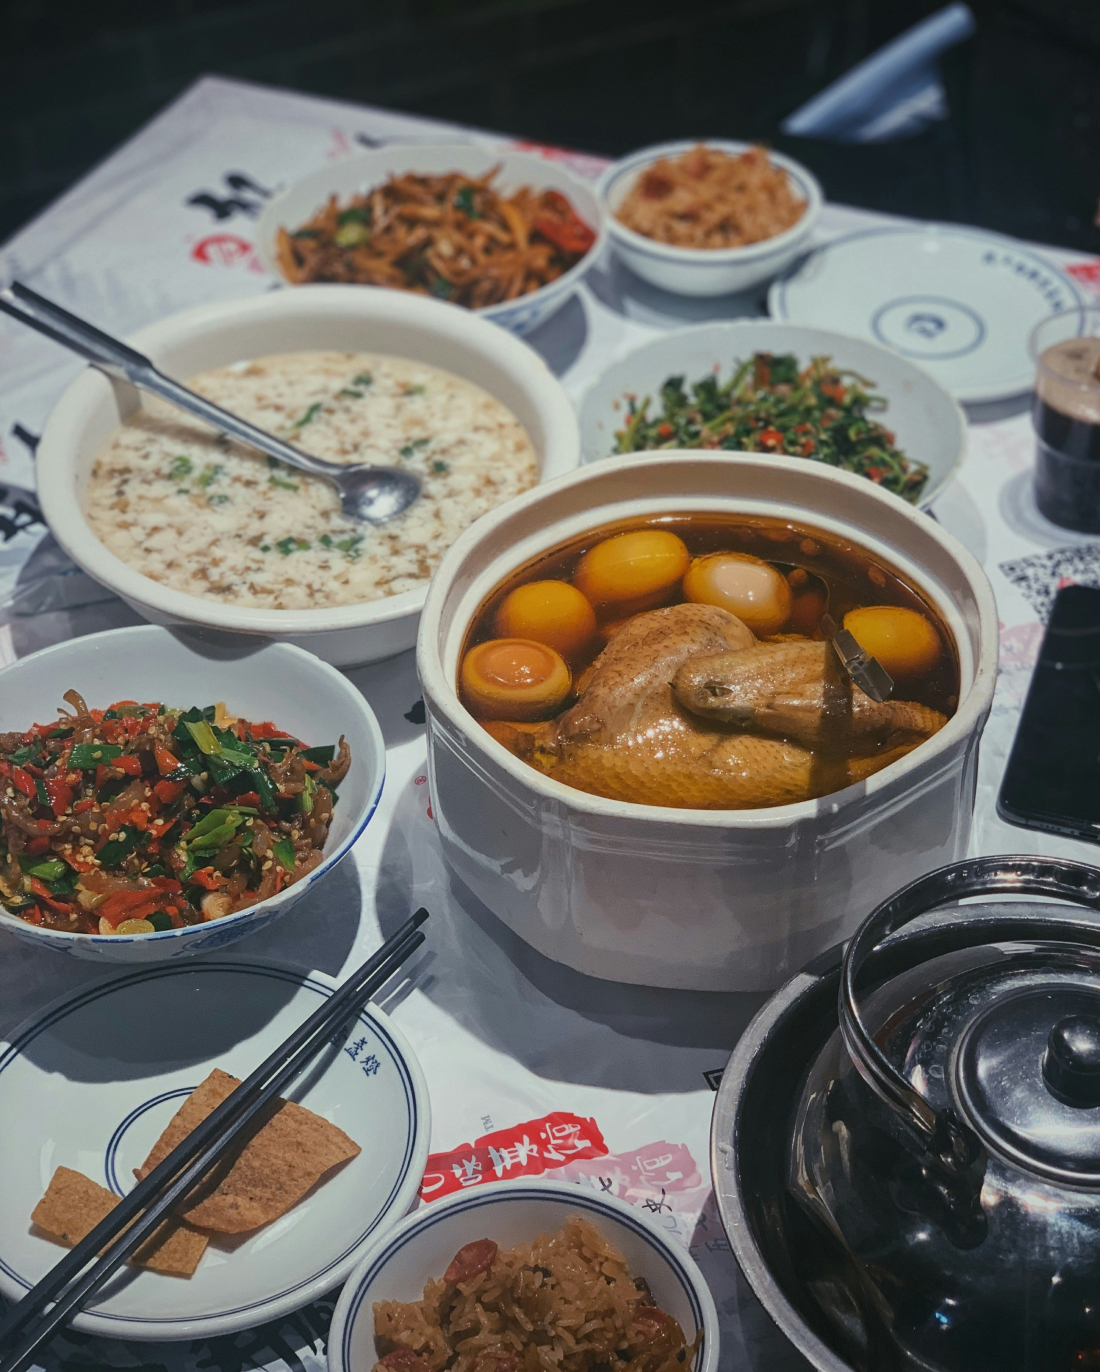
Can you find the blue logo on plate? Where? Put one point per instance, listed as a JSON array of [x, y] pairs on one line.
[[929, 326]]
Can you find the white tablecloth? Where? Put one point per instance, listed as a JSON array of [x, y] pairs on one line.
[[505, 1037]]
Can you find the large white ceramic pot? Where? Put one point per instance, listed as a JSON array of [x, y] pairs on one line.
[[311, 317], [731, 900]]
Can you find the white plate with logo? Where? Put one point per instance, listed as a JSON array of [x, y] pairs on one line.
[[90, 1083], [960, 302]]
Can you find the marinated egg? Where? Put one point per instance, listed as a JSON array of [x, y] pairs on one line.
[[514, 679], [638, 569], [550, 612], [744, 585], [904, 641]]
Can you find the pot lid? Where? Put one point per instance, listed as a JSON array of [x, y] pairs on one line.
[[1015, 1041], [1027, 1077]]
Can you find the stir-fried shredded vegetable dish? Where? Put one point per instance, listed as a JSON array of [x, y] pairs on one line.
[[140, 818], [769, 405], [450, 236], [707, 199]]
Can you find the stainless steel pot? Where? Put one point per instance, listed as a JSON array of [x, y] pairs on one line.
[[906, 1141]]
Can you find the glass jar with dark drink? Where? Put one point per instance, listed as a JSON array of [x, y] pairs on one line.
[[1066, 415]]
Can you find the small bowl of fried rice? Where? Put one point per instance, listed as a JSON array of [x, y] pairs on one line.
[[504, 1276], [713, 217]]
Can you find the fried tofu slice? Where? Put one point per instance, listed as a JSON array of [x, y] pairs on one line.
[[284, 1160], [74, 1204]]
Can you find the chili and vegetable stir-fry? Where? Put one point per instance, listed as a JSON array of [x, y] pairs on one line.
[[141, 818], [769, 405], [450, 236]]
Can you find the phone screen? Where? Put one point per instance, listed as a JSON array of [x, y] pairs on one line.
[[1053, 776]]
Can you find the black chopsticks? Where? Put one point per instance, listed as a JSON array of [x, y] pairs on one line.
[[140, 1212]]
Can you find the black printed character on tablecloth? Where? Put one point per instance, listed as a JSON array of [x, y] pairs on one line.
[[18, 505], [244, 196]]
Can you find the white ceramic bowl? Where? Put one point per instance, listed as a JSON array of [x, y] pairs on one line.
[[705, 271], [346, 177], [257, 680], [321, 317], [929, 425], [80, 1089], [399, 1265], [729, 900]]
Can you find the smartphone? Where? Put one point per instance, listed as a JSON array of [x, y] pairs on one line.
[[1052, 781]]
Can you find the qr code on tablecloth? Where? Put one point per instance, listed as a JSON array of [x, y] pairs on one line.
[[1041, 576]]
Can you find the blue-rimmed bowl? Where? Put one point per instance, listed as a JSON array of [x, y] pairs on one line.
[[352, 175], [705, 271], [420, 1248], [258, 680]]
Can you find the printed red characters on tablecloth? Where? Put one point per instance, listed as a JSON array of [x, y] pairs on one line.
[[1087, 274], [525, 1150], [662, 1179]]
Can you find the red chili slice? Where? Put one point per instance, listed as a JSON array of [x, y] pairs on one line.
[[476, 1257], [571, 237], [60, 794], [23, 781]]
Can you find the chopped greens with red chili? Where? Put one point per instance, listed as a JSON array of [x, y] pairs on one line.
[[769, 405], [141, 818]]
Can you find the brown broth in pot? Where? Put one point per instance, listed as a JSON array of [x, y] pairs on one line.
[[665, 696]]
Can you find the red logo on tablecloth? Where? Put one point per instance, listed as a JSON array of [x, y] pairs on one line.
[[1088, 273], [226, 250], [525, 1150]]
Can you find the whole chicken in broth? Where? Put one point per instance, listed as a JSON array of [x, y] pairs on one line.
[[681, 661]]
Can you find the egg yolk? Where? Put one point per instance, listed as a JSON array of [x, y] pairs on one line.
[[904, 642], [550, 612], [638, 568], [515, 679], [744, 585]]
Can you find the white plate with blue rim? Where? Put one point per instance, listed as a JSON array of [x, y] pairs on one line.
[[960, 302], [398, 1266], [91, 1082]]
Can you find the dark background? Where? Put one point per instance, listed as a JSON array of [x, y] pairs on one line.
[[1020, 152]]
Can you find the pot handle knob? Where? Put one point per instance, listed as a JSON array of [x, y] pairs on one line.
[[942, 1132]]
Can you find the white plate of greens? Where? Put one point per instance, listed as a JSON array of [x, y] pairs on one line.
[[926, 429]]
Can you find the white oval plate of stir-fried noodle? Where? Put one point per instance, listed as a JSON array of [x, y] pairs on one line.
[[419, 1250], [297, 205]]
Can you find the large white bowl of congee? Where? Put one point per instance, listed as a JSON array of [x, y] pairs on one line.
[[189, 528]]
